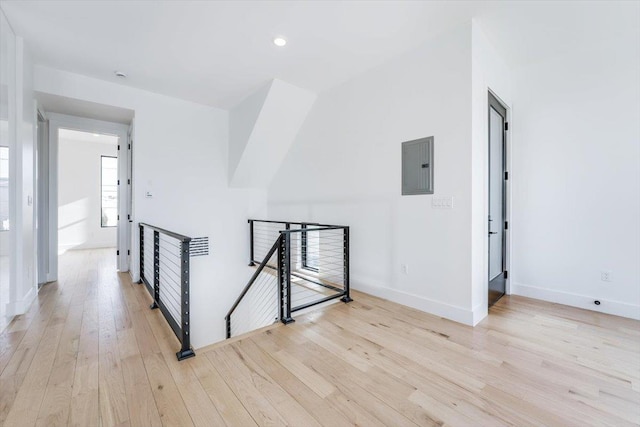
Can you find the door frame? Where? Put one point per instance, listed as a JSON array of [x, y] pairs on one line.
[[42, 194], [506, 208], [129, 200], [56, 122]]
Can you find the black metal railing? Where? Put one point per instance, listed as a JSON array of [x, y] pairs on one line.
[[164, 269], [300, 264]]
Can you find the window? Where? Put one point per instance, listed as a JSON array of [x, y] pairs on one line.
[[310, 250], [4, 188], [109, 188]]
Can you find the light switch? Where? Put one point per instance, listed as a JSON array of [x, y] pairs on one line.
[[442, 202]]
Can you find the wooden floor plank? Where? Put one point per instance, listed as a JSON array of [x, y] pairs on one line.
[[114, 408], [231, 369], [171, 407], [90, 352], [224, 399], [54, 410], [198, 404], [310, 391]]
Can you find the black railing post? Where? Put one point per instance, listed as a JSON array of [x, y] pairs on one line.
[[347, 291], [303, 245], [251, 255], [281, 276], [141, 253], [287, 277], [156, 269], [186, 351]]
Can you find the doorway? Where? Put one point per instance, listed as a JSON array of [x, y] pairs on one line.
[[88, 188], [497, 194]]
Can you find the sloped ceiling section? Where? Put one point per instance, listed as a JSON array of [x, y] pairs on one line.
[[261, 131]]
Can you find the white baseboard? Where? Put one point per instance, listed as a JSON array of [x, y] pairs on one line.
[[457, 314], [575, 300], [21, 306]]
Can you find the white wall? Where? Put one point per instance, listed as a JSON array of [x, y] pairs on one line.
[[7, 139], [242, 119], [576, 177], [180, 155], [280, 116], [344, 168], [18, 129], [26, 279], [79, 195]]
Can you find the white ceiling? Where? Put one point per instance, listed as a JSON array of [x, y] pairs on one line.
[[79, 136], [217, 53]]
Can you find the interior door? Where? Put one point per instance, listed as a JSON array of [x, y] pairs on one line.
[[497, 199]]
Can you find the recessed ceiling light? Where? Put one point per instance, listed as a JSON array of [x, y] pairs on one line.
[[279, 41], [96, 135], [120, 74]]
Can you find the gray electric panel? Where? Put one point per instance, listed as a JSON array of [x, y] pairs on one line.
[[417, 166]]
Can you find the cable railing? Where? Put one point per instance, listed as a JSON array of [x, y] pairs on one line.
[[300, 265], [164, 269]]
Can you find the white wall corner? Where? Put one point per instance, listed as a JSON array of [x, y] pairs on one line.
[[490, 72], [480, 311], [617, 308], [242, 120], [262, 129]]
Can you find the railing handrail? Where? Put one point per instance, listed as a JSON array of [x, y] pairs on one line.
[[175, 235], [322, 228], [254, 277], [283, 222], [317, 224]]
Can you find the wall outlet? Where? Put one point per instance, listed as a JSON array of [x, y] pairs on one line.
[[606, 276], [148, 195], [405, 268]]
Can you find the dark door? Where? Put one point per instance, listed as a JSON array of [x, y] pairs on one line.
[[497, 199]]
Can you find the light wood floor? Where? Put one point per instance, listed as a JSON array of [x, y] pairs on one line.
[[90, 352]]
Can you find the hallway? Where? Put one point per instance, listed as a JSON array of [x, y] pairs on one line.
[[90, 352], [79, 350]]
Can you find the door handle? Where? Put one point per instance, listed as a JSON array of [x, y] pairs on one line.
[[493, 232]]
